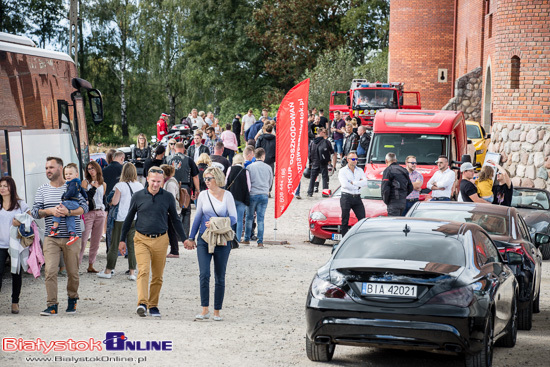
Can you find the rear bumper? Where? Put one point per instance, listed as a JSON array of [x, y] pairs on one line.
[[402, 331]]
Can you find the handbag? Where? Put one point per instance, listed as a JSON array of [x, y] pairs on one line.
[[233, 243]]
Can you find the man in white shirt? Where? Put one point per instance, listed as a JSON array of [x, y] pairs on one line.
[[248, 120], [351, 180], [209, 118], [196, 120], [442, 181]]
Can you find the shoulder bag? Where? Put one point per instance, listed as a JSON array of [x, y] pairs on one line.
[[233, 243]]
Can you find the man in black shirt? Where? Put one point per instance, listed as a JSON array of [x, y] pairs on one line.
[[111, 173], [159, 160], [152, 207], [236, 127], [218, 160], [468, 191], [324, 121], [396, 186], [503, 189]]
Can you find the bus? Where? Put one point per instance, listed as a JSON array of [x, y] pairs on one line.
[[41, 112]]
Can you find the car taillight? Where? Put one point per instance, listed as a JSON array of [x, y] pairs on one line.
[[517, 250], [461, 297], [323, 289]]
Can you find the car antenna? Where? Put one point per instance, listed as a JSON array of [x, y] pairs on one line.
[[407, 229]]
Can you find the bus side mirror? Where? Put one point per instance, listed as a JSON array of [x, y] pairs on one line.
[[96, 105]]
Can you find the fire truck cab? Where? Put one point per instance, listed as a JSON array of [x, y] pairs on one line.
[[368, 98]]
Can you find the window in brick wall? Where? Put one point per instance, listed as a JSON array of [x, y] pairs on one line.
[[515, 71], [490, 25], [487, 6]]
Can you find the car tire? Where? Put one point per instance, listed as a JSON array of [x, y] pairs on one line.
[[536, 304], [545, 249], [319, 352], [316, 240], [525, 316], [509, 340], [483, 358]]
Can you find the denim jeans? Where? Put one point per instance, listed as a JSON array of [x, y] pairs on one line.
[[241, 208], [70, 219], [258, 204], [221, 256]]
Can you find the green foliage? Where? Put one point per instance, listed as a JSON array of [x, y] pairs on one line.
[[45, 17], [334, 71], [376, 68], [12, 16]]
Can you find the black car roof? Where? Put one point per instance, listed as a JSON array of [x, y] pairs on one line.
[[473, 207], [413, 225]]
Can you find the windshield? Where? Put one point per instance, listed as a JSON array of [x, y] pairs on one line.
[[473, 132], [493, 224], [414, 246], [426, 148], [374, 98], [371, 191], [531, 199]]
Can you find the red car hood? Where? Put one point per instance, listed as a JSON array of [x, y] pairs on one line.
[[331, 208], [374, 171]]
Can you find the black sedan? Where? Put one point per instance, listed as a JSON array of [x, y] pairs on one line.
[[508, 230], [534, 207], [408, 283]]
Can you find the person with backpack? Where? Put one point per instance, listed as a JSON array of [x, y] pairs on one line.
[[320, 154], [237, 182], [173, 187]]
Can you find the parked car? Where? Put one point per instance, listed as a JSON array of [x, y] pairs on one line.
[[481, 140], [325, 217], [509, 231], [534, 207], [424, 284]]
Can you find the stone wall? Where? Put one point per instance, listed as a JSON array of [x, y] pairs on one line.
[[468, 90], [525, 151]]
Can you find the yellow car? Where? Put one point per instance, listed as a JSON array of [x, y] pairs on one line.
[[476, 133]]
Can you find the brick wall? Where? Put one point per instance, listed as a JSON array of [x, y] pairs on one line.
[[469, 40], [421, 42], [521, 28], [30, 87]]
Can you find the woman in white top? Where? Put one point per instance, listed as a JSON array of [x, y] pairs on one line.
[[173, 187], [94, 220], [124, 190], [10, 206]]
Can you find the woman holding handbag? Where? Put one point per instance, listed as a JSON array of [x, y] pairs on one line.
[[238, 184], [94, 220], [212, 204]]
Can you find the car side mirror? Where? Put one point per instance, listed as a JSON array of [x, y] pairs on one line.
[[488, 136], [334, 247], [513, 258], [541, 239], [469, 141]]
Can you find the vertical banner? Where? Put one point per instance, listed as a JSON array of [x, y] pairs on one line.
[[292, 145]]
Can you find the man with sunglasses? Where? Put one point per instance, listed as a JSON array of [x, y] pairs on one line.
[[351, 180], [396, 185], [416, 179], [152, 207], [442, 181]]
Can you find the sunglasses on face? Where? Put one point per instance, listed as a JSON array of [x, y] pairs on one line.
[[171, 144], [412, 162], [156, 170], [208, 178], [352, 159]]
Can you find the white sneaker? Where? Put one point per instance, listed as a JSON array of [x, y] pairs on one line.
[[102, 274], [132, 277]]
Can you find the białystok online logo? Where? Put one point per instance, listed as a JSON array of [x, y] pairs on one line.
[[114, 341]]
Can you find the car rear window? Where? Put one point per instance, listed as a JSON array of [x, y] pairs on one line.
[[493, 224], [414, 246], [372, 190]]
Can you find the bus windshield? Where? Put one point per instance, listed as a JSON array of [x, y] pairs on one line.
[[426, 148], [374, 98]]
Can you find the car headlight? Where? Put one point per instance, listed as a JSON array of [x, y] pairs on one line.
[[323, 289], [317, 216]]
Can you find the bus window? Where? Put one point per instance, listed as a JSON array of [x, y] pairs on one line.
[[63, 115]]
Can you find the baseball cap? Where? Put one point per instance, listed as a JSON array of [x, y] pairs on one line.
[[466, 167], [164, 115]]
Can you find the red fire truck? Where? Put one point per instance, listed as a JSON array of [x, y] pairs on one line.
[[368, 98]]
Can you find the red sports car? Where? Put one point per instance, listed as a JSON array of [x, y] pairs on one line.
[[325, 218]]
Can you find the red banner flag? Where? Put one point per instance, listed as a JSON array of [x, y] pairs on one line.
[[292, 141]]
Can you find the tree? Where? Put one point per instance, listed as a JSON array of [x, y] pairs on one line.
[[376, 67], [334, 71], [292, 34], [12, 19], [45, 17]]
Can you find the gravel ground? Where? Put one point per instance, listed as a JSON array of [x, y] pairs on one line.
[[263, 312]]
